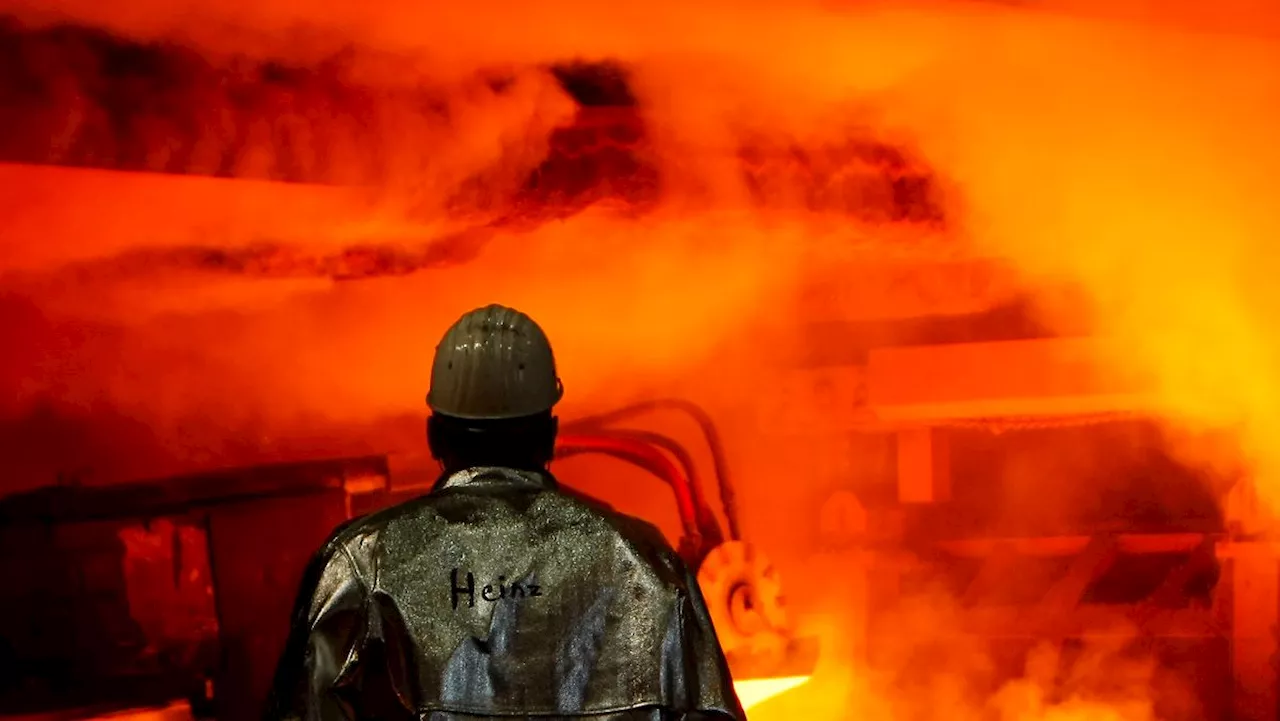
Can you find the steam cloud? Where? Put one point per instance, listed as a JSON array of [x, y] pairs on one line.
[[1133, 170], [1132, 159]]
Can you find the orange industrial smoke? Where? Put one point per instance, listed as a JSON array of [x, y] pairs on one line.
[[1099, 147], [1137, 169]]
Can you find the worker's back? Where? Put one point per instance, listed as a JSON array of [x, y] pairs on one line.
[[499, 595]]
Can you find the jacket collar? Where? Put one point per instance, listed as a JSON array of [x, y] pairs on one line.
[[494, 476]]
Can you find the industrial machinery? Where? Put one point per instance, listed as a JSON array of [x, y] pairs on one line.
[[143, 594], [165, 605], [741, 587]]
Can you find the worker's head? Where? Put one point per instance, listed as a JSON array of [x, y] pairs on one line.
[[493, 386]]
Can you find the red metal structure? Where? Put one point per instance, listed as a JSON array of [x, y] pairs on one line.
[[139, 594]]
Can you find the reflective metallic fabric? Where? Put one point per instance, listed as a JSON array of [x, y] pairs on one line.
[[500, 595]]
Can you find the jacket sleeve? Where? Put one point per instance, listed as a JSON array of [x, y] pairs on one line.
[[327, 632], [710, 686]]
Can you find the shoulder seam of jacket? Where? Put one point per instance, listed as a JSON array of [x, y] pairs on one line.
[[356, 570]]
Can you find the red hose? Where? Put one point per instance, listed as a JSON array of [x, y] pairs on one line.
[[647, 456], [703, 419]]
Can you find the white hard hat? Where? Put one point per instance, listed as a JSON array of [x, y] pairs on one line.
[[493, 363]]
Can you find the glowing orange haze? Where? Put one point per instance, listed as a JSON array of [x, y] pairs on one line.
[[1133, 159]]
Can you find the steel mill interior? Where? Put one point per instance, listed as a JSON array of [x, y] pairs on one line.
[[941, 337]]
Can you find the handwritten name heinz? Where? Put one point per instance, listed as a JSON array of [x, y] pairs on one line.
[[491, 593]]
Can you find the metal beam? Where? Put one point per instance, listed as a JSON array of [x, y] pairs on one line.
[[55, 215], [1173, 588], [924, 466], [1088, 621], [1047, 546], [1066, 593], [1255, 613], [993, 573], [1021, 378]]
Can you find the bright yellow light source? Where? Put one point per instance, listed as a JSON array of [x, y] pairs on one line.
[[758, 690]]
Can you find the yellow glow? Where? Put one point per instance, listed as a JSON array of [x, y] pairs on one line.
[[758, 690], [180, 711]]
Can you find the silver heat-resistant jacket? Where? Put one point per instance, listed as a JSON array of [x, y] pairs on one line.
[[500, 595]]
